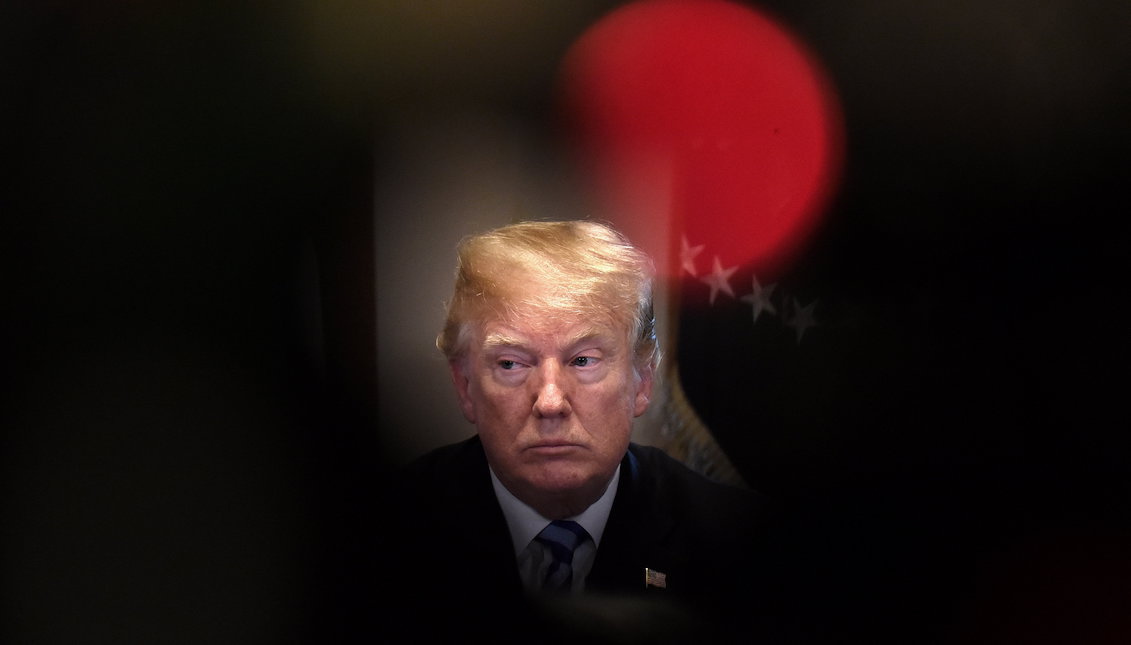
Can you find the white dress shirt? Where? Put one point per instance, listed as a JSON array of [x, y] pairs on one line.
[[525, 523]]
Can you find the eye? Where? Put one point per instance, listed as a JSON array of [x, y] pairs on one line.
[[584, 361], [507, 364]]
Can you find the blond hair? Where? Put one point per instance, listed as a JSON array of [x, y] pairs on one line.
[[578, 268]]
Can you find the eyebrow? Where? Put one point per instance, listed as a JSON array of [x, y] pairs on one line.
[[501, 340]]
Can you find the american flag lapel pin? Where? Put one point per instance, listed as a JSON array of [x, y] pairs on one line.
[[653, 578]]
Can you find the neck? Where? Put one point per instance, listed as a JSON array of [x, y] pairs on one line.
[[557, 508], [557, 505]]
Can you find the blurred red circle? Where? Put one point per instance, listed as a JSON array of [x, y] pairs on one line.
[[707, 117]]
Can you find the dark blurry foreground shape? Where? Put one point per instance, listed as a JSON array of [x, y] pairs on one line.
[[187, 286]]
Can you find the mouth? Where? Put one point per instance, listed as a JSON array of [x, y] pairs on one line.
[[551, 449]]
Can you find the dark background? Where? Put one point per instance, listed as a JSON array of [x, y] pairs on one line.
[[190, 314]]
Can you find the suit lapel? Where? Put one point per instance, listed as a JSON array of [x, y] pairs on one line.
[[487, 549], [636, 536]]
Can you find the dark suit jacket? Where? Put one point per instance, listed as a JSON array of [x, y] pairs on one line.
[[448, 546]]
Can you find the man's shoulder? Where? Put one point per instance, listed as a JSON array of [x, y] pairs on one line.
[[670, 487], [656, 467], [438, 490], [452, 454], [450, 466]]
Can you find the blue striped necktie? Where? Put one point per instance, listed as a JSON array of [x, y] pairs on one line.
[[562, 537]]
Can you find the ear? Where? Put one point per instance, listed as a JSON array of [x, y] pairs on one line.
[[643, 388], [463, 384]]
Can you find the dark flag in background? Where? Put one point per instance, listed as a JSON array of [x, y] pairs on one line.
[[713, 137]]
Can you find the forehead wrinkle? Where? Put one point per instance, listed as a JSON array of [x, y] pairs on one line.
[[586, 336], [503, 340]]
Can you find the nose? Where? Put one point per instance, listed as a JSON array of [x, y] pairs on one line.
[[550, 396]]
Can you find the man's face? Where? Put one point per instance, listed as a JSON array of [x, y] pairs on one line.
[[553, 403]]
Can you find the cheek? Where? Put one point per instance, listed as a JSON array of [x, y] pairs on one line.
[[502, 405], [611, 409]]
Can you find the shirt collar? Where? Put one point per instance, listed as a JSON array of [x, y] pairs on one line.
[[524, 522]]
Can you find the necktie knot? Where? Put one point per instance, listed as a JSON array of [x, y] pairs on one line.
[[561, 537]]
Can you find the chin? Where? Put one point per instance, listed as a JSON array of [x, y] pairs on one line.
[[560, 478]]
